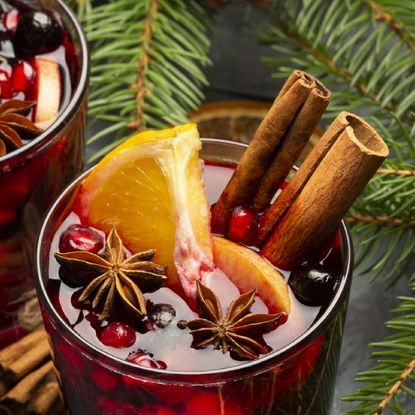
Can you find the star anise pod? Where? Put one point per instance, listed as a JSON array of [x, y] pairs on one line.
[[112, 276], [239, 332], [14, 124]]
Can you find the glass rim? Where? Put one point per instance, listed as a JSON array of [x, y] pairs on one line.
[[318, 325], [77, 95]]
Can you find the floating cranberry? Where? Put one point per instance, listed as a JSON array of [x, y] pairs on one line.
[[243, 225], [6, 89], [38, 32], [142, 358], [313, 284], [80, 238], [22, 77], [161, 315], [10, 20], [117, 335]]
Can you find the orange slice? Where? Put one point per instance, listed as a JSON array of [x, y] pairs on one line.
[[150, 188], [248, 271]]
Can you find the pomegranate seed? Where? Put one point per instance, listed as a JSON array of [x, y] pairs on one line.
[[81, 238], [243, 225], [10, 20], [6, 89], [22, 77], [117, 335], [143, 358]]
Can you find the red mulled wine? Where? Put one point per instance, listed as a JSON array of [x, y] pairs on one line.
[[43, 81], [119, 365]]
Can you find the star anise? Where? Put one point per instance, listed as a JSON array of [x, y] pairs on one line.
[[239, 332], [14, 124], [112, 276]]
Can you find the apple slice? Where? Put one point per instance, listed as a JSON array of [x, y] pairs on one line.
[[48, 91], [248, 270]]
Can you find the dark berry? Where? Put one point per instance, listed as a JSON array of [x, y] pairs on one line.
[[38, 32], [117, 335], [243, 225], [161, 315], [142, 358], [22, 77], [80, 238], [313, 284]]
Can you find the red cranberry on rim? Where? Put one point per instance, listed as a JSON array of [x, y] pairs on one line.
[[117, 335], [142, 358], [80, 238], [38, 32], [243, 225]]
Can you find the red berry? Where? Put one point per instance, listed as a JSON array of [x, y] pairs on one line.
[[6, 90], [117, 335], [81, 238], [155, 409], [104, 380], [142, 358], [10, 20], [207, 403], [22, 77], [243, 225]]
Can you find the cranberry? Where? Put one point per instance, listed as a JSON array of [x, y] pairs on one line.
[[38, 32], [80, 238], [6, 89], [207, 403], [313, 284], [104, 381], [142, 358], [22, 77], [10, 20], [161, 315], [117, 335], [155, 409], [243, 225]]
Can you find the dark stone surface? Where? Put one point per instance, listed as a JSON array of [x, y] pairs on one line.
[[238, 73]]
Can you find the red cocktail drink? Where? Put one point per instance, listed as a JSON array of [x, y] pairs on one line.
[[43, 83], [121, 365]]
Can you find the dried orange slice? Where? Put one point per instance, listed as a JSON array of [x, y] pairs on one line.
[[150, 188]]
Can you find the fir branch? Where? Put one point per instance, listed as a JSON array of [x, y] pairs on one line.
[[390, 381], [369, 65], [146, 64]]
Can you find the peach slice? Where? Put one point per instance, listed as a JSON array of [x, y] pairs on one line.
[[248, 270], [48, 91]]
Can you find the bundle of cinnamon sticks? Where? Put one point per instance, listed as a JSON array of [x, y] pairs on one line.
[[323, 189], [27, 382]]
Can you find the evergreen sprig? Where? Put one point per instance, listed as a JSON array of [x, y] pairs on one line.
[[365, 56], [146, 64], [391, 380]]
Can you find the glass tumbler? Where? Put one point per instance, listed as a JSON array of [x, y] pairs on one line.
[[297, 379], [31, 177]]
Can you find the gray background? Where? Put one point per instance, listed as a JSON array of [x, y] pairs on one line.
[[237, 73]]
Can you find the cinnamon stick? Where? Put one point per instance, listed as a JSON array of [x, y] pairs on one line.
[[16, 350], [28, 361], [28, 391], [286, 115], [292, 145], [322, 191]]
